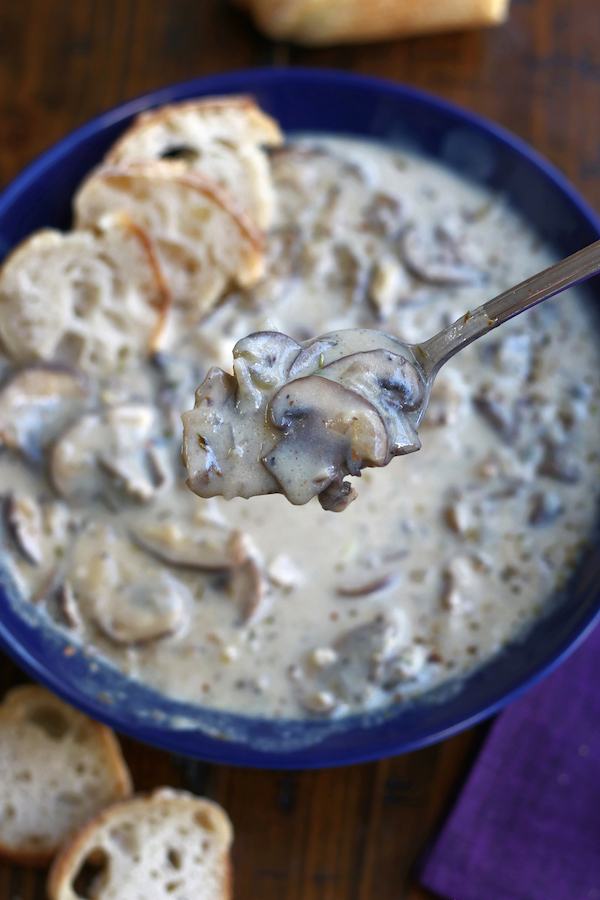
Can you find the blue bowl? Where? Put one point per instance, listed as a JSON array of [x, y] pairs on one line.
[[346, 104]]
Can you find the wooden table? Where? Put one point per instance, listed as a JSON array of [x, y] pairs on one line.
[[338, 834]]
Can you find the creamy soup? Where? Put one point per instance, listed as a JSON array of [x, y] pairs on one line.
[[265, 608]]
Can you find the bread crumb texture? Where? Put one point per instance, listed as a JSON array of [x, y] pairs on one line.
[[169, 844], [57, 769]]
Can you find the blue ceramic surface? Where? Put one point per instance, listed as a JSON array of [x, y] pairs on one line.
[[334, 102]]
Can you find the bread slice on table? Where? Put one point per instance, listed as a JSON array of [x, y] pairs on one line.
[[96, 298], [223, 137], [57, 769], [168, 845], [205, 240], [322, 22]]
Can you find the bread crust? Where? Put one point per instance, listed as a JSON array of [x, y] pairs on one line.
[[321, 22], [73, 852], [15, 705], [33, 333], [164, 298], [223, 137], [266, 130], [89, 207]]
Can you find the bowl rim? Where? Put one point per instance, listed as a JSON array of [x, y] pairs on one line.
[[199, 743]]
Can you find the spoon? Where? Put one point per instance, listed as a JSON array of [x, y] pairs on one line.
[[298, 418], [431, 355]]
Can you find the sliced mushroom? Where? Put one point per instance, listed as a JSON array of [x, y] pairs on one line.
[[37, 404], [383, 215], [545, 507], [348, 275], [559, 464], [68, 606], [311, 358], [106, 455], [249, 591], [437, 256], [269, 356], [503, 416], [224, 439], [140, 612], [23, 518], [460, 583], [355, 586], [209, 547], [337, 496], [328, 432], [463, 518], [362, 656], [385, 379]]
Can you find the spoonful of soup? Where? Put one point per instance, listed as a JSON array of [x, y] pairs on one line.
[[298, 419]]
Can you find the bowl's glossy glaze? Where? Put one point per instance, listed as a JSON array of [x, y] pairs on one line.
[[334, 102]]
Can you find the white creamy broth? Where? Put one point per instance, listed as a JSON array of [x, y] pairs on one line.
[[445, 557]]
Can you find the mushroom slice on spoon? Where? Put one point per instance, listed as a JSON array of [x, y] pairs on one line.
[[328, 433]]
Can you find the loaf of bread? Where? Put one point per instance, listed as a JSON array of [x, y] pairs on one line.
[[96, 298], [223, 137], [164, 846], [205, 239], [322, 22], [57, 769]]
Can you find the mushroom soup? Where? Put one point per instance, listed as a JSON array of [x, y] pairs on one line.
[[268, 609]]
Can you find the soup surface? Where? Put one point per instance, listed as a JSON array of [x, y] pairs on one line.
[[445, 557]]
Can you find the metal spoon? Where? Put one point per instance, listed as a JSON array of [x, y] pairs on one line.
[[308, 415], [431, 355]]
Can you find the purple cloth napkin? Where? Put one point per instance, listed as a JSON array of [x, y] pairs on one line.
[[527, 823]]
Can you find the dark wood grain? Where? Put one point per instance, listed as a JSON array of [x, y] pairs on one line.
[[342, 834]]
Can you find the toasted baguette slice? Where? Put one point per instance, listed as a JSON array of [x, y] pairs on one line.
[[204, 238], [220, 136], [57, 768], [167, 845], [96, 298], [322, 22]]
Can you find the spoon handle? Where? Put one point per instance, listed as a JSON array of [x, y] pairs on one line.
[[442, 346]]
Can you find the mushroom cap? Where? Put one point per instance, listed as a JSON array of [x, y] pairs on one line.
[[224, 436], [37, 403], [438, 257], [106, 455], [269, 356], [208, 547], [139, 612], [329, 432], [23, 519], [379, 376], [248, 590]]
